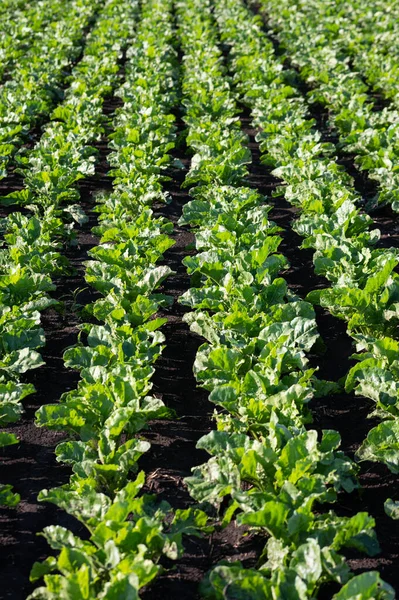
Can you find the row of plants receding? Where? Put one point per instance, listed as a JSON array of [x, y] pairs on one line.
[[364, 285], [362, 35], [21, 27], [254, 363], [11, 7], [267, 469], [375, 53], [34, 237], [370, 135], [39, 73], [127, 533]]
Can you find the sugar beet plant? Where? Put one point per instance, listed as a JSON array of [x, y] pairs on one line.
[[364, 284], [265, 463], [268, 470], [34, 242], [21, 28], [360, 34], [103, 417], [30, 247], [37, 81], [370, 134]]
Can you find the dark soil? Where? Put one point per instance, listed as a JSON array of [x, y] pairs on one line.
[[31, 466], [14, 181], [173, 452], [343, 412]]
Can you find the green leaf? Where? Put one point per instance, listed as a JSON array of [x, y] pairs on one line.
[[382, 445], [366, 586], [391, 508], [8, 497], [43, 568], [306, 562], [272, 517], [233, 582], [7, 439], [375, 282]]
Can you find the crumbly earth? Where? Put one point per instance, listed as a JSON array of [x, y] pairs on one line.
[[31, 466]]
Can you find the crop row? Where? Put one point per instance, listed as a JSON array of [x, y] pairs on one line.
[[364, 286], [370, 135], [23, 27], [362, 35], [10, 8], [265, 465], [37, 79], [268, 470], [376, 53], [103, 417], [32, 256]]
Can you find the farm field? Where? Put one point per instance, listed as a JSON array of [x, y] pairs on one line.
[[199, 386]]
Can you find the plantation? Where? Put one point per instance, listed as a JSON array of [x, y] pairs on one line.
[[199, 299]]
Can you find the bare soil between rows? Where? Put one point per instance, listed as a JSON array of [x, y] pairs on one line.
[[31, 466]]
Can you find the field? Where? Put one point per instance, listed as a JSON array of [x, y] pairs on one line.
[[199, 369]]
